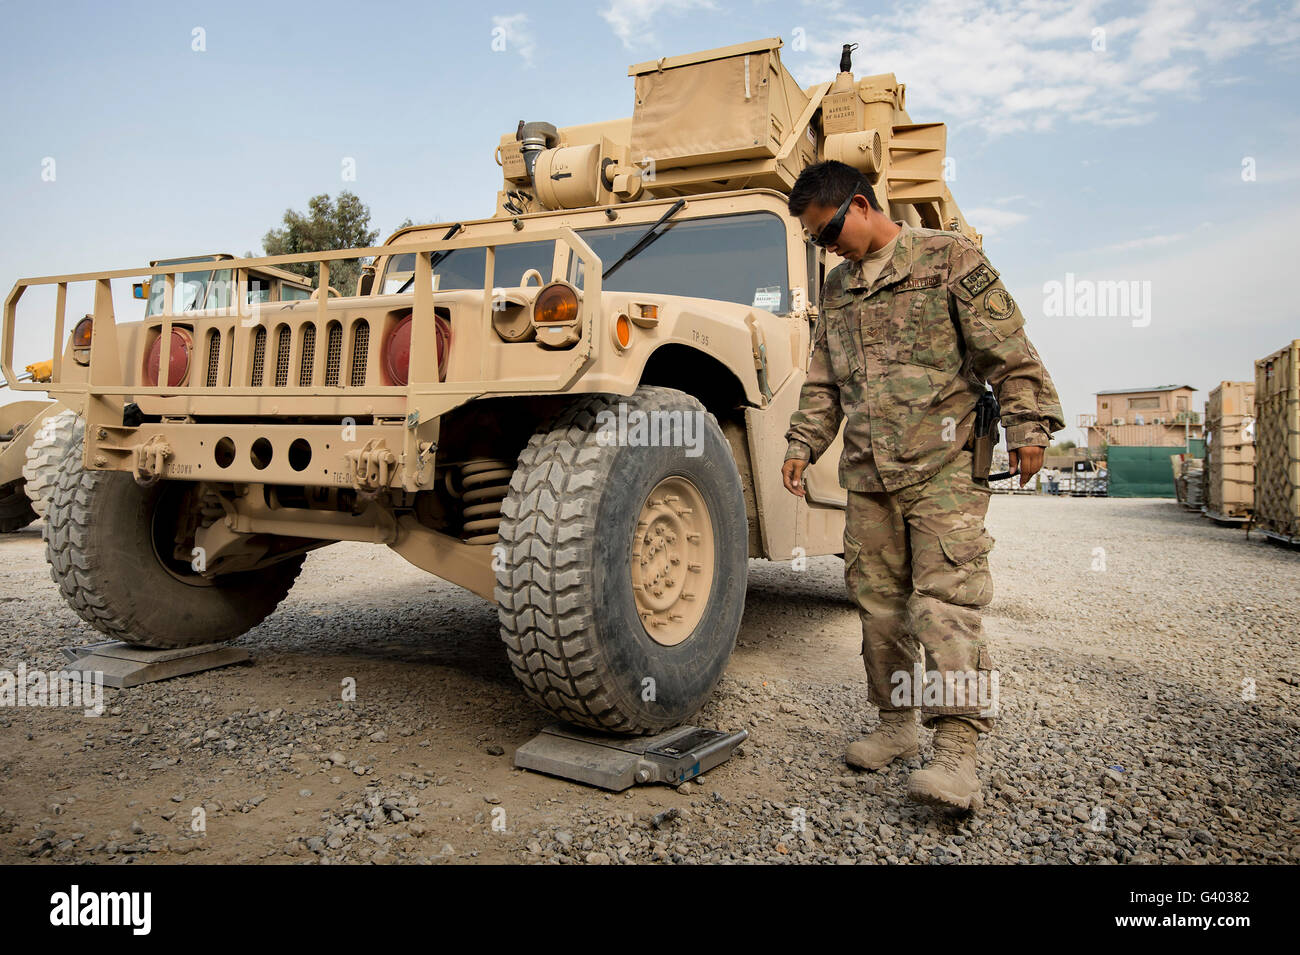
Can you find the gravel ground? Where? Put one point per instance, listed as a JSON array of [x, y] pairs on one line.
[[1149, 701]]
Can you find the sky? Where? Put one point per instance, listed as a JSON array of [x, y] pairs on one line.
[[1147, 143]]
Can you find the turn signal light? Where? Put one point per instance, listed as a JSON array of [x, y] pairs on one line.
[[81, 333], [556, 303]]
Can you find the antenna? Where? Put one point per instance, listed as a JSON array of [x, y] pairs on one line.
[[846, 57]]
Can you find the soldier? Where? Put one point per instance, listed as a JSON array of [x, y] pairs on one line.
[[910, 327]]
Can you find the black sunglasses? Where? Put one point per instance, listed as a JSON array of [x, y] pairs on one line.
[[832, 229]]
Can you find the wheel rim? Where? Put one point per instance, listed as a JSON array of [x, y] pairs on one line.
[[166, 508], [672, 560]]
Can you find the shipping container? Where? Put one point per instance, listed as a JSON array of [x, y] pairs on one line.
[[1230, 451], [1277, 444], [1143, 471]]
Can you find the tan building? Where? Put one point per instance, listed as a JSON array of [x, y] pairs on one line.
[[1162, 416]]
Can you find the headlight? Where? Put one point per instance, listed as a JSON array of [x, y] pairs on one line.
[[397, 349], [178, 364], [397, 352]]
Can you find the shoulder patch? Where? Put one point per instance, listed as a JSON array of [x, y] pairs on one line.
[[978, 279], [999, 304]]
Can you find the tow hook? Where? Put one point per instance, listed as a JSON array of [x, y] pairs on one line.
[[370, 466], [149, 459]]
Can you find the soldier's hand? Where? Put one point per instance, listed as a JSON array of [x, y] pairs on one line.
[[792, 476], [1029, 459]]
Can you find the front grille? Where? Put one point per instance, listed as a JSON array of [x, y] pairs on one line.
[[282, 357], [333, 354], [259, 356], [360, 351], [214, 357], [308, 355]]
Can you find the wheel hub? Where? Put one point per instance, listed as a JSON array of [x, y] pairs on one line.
[[672, 560]]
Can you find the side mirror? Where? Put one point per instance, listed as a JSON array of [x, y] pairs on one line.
[[140, 289], [367, 280]]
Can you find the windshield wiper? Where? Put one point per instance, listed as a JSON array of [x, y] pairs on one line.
[[434, 258], [643, 243]]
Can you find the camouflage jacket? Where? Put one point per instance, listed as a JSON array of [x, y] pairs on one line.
[[902, 363]]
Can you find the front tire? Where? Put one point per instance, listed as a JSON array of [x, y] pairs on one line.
[[621, 584], [104, 536]]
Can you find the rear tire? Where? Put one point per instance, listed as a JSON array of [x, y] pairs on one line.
[[596, 560], [15, 507], [100, 537]]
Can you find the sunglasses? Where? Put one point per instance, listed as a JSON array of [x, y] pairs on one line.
[[832, 229]]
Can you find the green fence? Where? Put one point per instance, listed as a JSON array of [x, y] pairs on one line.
[[1144, 471]]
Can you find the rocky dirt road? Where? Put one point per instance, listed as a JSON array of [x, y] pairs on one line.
[[1150, 682]]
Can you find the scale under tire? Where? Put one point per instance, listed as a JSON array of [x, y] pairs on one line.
[[622, 567]]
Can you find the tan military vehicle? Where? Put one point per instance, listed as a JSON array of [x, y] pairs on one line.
[[574, 407], [36, 435], [20, 422]]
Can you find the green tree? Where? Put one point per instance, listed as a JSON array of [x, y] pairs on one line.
[[343, 223]]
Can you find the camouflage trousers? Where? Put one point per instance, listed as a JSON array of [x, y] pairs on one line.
[[916, 564]]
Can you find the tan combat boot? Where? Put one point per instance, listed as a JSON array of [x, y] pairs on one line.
[[950, 779], [894, 738]]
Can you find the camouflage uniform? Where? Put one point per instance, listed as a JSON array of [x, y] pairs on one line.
[[902, 362]]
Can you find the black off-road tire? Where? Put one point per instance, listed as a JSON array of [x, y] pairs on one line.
[[99, 542], [15, 507], [59, 435], [564, 593]]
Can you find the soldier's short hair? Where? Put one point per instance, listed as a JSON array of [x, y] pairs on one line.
[[829, 183]]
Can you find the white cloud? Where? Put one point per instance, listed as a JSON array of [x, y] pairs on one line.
[[1022, 65], [1144, 242], [518, 37], [630, 19], [991, 221]]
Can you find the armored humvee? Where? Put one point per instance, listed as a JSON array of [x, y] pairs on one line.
[[35, 436], [573, 407]]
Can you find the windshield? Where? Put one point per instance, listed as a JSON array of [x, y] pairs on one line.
[[463, 268], [737, 258], [191, 287], [216, 290]]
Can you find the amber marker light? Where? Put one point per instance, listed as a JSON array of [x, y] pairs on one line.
[[555, 304], [622, 331], [81, 335]]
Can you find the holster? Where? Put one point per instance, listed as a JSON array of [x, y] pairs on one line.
[[982, 457], [985, 436]]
